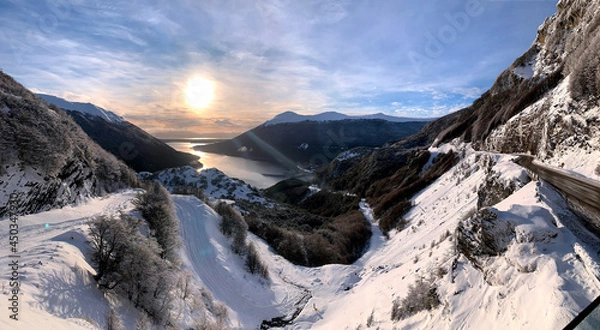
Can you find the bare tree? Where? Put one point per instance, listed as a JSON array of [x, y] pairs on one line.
[[421, 296], [157, 208], [113, 320], [253, 263], [143, 322]]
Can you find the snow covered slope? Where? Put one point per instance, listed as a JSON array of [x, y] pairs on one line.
[[222, 272], [87, 108], [213, 182], [57, 289], [540, 281], [546, 265]]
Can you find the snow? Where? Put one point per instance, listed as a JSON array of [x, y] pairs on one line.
[[292, 117], [436, 150], [57, 288], [526, 71], [209, 254], [87, 108], [558, 288], [214, 183], [347, 155], [548, 273]]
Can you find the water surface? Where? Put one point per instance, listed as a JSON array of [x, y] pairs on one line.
[[257, 173]]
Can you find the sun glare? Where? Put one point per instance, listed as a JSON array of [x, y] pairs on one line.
[[199, 92]]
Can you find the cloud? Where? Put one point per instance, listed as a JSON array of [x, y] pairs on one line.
[[265, 57]]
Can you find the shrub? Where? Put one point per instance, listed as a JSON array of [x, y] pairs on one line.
[[338, 240], [233, 226], [371, 319], [157, 208], [131, 264], [422, 295], [113, 320], [253, 263]]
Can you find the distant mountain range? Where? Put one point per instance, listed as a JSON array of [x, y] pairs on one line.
[[291, 139], [292, 117], [138, 149]]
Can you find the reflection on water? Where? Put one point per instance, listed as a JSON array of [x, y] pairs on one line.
[[258, 174]]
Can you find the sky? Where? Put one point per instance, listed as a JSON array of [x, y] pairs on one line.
[[415, 58]]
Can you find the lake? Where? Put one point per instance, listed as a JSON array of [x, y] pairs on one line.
[[257, 173]]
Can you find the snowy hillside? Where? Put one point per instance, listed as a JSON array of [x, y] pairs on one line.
[[213, 182], [87, 108], [57, 290], [292, 117], [539, 273], [542, 268], [56, 285]]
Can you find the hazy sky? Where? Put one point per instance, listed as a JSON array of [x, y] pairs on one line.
[[419, 58]]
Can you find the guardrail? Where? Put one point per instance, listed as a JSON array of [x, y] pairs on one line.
[[582, 193], [583, 196]]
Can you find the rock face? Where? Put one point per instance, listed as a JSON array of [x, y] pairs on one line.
[[567, 115], [47, 161]]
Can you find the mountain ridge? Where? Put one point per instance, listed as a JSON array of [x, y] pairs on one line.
[[293, 117], [82, 107], [129, 143], [312, 143], [47, 160]]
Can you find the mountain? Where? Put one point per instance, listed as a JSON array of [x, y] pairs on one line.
[[545, 103], [47, 160], [511, 234], [138, 149], [87, 108], [291, 139], [292, 117], [461, 235]]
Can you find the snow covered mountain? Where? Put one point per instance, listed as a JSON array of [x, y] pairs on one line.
[[47, 160], [129, 143], [292, 117], [462, 236], [87, 108]]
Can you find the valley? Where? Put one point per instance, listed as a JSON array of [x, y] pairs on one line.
[[330, 208]]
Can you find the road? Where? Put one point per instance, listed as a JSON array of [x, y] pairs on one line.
[[582, 191]]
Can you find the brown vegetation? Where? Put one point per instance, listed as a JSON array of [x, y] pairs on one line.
[[393, 200], [337, 240]]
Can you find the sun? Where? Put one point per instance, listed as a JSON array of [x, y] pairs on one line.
[[199, 92]]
